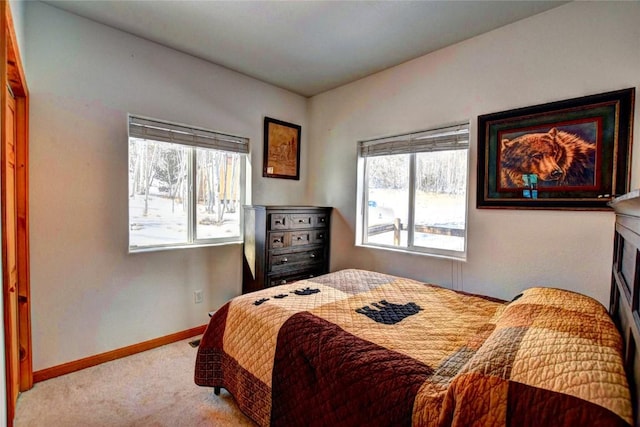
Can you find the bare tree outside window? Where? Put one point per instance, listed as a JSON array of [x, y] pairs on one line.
[[218, 193], [157, 213]]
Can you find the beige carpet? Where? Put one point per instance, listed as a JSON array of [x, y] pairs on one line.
[[153, 388]]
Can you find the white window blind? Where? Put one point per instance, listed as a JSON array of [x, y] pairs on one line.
[[144, 128], [445, 138]]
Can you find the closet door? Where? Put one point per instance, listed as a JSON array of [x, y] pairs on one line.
[[10, 249]]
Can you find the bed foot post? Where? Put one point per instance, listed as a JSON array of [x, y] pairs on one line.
[[216, 391]]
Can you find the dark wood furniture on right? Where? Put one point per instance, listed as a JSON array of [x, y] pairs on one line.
[[625, 287], [283, 244]]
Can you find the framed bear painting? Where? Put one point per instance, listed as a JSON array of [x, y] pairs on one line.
[[572, 154]]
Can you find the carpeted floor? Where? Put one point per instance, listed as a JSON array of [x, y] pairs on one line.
[[153, 388]]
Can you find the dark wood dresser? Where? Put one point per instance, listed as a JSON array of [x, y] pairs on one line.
[[283, 244]]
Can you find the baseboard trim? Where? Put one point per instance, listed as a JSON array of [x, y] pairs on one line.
[[67, 368]]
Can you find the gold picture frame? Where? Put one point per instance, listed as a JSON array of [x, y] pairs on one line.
[[281, 149]]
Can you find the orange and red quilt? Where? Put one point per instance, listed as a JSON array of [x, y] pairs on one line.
[[356, 348]]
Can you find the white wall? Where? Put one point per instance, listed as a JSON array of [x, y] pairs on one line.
[[578, 49], [88, 295]]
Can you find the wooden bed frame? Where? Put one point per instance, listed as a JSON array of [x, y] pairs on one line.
[[624, 304]]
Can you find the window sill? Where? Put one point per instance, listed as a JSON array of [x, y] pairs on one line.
[[450, 256], [190, 246]]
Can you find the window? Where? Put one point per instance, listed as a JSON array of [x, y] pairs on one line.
[[413, 192], [186, 185]]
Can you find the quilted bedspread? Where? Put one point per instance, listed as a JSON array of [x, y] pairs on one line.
[[356, 348]]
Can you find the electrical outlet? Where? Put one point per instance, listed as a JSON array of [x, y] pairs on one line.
[[197, 296]]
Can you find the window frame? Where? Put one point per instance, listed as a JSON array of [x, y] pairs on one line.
[[362, 204], [199, 136]]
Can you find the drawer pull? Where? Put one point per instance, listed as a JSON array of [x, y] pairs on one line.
[[321, 219], [320, 236], [312, 256], [284, 260], [277, 241], [301, 221], [284, 282], [299, 238]]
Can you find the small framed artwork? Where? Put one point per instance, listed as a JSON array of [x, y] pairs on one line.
[[572, 154], [281, 149]]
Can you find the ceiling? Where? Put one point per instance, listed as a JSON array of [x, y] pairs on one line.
[[307, 47]]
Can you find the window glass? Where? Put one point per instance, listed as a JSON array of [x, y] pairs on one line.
[[441, 200], [186, 185], [413, 190], [217, 194], [158, 211], [388, 199]]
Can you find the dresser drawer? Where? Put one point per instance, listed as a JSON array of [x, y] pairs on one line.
[[299, 238], [295, 260], [319, 237], [286, 239], [283, 279], [278, 221], [320, 220], [278, 240], [292, 221], [302, 220]]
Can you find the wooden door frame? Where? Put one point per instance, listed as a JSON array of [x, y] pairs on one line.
[[12, 75]]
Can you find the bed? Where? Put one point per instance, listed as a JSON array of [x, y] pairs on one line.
[[355, 347]]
